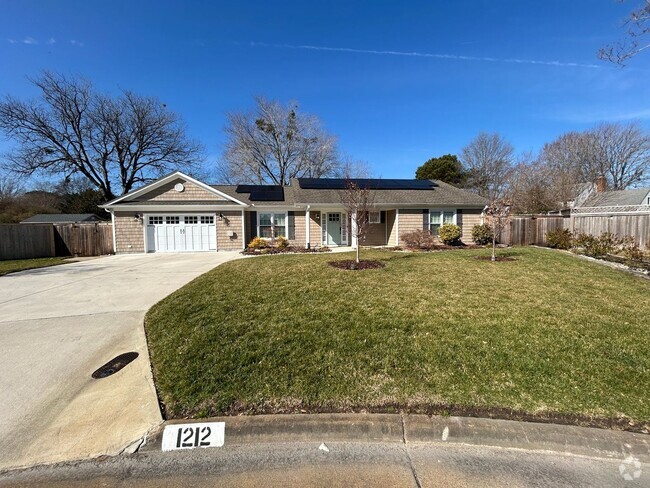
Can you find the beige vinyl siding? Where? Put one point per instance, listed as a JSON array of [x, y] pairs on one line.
[[470, 218], [232, 221], [301, 236], [129, 233], [168, 194], [409, 220], [315, 232]]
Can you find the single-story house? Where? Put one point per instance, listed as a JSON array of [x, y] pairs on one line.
[[61, 219], [179, 213]]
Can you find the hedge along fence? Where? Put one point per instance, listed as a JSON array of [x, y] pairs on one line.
[[26, 241], [21, 241], [525, 230]]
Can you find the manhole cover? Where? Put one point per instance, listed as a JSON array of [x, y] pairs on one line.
[[114, 365]]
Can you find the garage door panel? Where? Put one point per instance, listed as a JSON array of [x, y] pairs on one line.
[[178, 233]]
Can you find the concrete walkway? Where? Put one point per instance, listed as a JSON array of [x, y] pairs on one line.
[[57, 326]]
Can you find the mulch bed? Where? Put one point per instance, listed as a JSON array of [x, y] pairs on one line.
[[352, 265], [284, 250], [499, 258]]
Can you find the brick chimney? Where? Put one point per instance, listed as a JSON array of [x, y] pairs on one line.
[[601, 184]]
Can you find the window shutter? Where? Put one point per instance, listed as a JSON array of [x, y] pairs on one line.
[[459, 218], [253, 224], [425, 219], [292, 224], [382, 216], [344, 228]]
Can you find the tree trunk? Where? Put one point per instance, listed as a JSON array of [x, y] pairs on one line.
[[358, 247]]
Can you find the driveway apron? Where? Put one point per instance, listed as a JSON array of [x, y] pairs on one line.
[[57, 326]]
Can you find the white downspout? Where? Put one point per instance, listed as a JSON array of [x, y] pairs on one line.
[[397, 226], [243, 230], [354, 232], [114, 238], [307, 226]]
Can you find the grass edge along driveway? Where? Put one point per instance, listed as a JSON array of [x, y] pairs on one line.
[[15, 265], [547, 336]]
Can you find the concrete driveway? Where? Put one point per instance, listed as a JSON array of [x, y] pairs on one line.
[[59, 324]]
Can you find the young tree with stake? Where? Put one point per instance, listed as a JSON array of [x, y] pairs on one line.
[[358, 201], [498, 215]]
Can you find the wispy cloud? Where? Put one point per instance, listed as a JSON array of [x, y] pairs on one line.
[[51, 41], [30, 40], [74, 42], [416, 54]]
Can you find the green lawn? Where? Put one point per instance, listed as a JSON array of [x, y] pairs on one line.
[[14, 265], [547, 336]]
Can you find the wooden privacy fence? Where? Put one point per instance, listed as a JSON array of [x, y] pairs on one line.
[[19, 241], [25, 241], [525, 230], [92, 239]]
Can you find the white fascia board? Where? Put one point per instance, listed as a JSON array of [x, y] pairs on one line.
[[167, 179], [172, 208]]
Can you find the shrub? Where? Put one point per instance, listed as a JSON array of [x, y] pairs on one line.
[[258, 243], [418, 239], [596, 246], [450, 234], [630, 249], [559, 239], [482, 234], [281, 243]]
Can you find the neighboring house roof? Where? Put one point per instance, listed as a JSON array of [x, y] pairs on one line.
[[60, 218], [620, 197], [309, 191]]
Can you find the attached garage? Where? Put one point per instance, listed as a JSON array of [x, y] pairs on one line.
[[181, 233]]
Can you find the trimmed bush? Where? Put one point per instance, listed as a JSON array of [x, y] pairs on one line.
[[450, 234], [596, 246], [482, 234], [281, 242], [418, 239], [258, 243], [559, 239]]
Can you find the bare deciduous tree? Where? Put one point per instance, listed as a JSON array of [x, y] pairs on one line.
[[620, 152], [9, 189], [531, 188], [114, 142], [489, 160], [275, 143], [637, 39], [358, 201], [498, 215]]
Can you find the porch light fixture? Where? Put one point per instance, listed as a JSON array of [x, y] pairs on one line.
[[138, 217]]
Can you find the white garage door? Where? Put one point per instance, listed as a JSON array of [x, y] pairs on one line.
[[179, 233]]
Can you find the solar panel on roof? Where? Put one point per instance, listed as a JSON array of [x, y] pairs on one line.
[[267, 195], [376, 184]]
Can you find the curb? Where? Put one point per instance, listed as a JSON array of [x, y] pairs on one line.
[[421, 429]]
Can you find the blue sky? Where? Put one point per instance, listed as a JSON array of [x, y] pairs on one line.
[[397, 82]]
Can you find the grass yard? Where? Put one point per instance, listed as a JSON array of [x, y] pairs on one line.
[[547, 336], [14, 265]]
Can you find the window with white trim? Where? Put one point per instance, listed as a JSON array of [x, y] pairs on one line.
[[440, 217], [271, 225], [172, 219], [207, 219], [155, 220], [374, 217], [191, 219]]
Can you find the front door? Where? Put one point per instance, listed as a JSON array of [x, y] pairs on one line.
[[334, 229]]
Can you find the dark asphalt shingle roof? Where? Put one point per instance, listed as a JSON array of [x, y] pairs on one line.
[[441, 194], [60, 218], [619, 197]]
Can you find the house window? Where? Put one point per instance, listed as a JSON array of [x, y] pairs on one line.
[[207, 219], [272, 225], [374, 217], [172, 219], [191, 219], [155, 220], [440, 217]]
